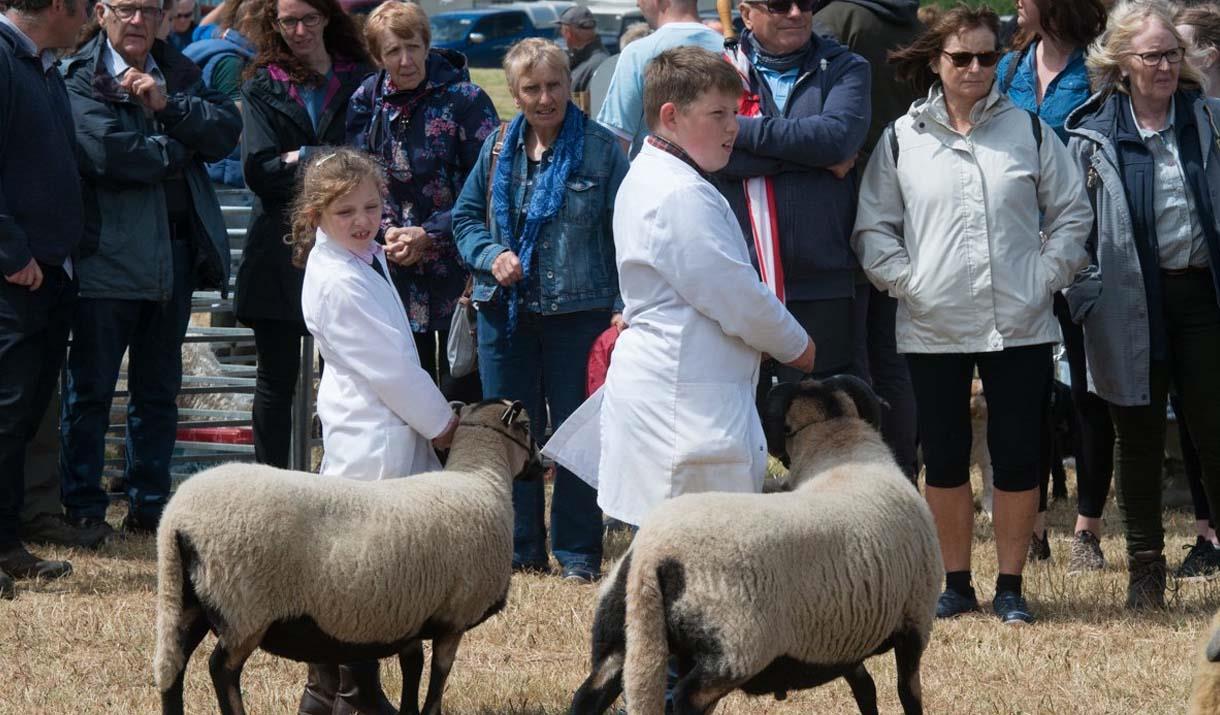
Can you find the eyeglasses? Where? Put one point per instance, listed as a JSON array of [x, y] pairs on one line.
[[127, 13], [783, 7], [184, 15], [963, 59], [289, 24], [1153, 59]]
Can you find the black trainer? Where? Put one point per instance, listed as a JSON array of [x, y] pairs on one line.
[[58, 529], [1201, 562], [952, 604], [19, 563]]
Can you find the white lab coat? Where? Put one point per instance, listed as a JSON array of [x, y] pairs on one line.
[[677, 412], [379, 408]]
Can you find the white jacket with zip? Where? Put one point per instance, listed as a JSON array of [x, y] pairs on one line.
[[952, 230]]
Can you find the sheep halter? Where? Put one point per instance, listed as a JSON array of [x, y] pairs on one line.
[[509, 437]]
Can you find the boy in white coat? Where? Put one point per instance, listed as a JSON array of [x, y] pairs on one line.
[[677, 413]]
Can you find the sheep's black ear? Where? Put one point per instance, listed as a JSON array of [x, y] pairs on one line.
[[868, 405], [1213, 648], [774, 415], [512, 413]]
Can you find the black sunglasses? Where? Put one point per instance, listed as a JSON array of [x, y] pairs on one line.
[[963, 59], [783, 7]]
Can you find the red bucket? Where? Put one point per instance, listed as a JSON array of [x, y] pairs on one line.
[[217, 435]]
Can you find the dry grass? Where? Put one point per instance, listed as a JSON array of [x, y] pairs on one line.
[[84, 645], [492, 81]]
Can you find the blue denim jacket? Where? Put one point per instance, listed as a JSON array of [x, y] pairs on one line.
[[575, 267], [1066, 92]]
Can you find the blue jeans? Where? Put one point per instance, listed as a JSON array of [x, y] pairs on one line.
[[152, 333], [544, 364]]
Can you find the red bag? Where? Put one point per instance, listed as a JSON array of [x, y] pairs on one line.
[[599, 360]]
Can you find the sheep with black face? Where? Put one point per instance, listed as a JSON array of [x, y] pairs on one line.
[[769, 593], [335, 571]]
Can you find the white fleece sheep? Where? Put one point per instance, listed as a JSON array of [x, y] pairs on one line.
[[775, 592], [1205, 688], [327, 570]]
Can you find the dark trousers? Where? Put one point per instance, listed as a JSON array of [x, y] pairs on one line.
[[1193, 321], [1016, 384], [1094, 435], [835, 327], [42, 488], [1191, 465], [34, 328], [151, 333], [543, 364], [277, 345], [886, 370], [434, 357]]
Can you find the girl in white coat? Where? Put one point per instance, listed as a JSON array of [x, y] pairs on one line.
[[677, 413], [381, 413]]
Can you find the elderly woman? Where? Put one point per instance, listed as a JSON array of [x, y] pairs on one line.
[[425, 122], [1045, 73], [534, 223], [310, 60], [974, 292], [1148, 300]]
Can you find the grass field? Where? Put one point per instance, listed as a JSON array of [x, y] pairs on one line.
[[84, 645]]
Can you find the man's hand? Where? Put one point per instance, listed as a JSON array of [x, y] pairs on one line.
[[843, 168], [617, 321], [30, 276], [406, 246], [291, 157], [507, 269], [144, 88], [804, 362]]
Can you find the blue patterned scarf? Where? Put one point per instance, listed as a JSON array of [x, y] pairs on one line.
[[549, 191]]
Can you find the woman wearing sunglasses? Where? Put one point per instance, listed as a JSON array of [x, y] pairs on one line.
[[1148, 301], [948, 223], [1045, 73]]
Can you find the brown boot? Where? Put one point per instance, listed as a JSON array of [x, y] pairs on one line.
[[1146, 580], [360, 691], [321, 684]]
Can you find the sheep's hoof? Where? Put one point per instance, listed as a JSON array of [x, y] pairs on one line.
[[781, 694]]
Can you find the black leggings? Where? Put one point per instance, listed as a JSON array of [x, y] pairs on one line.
[[1016, 384], [277, 344], [1094, 439]]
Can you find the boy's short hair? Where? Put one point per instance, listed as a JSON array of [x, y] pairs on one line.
[[680, 75]]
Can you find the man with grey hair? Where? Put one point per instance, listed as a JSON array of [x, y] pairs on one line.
[[41, 224], [585, 50]]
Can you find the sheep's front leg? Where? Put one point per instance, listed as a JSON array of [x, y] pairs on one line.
[[411, 661], [444, 651]]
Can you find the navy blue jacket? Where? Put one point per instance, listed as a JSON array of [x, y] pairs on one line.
[[825, 121], [40, 194]]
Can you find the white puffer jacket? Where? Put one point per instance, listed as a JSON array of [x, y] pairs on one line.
[[952, 231]]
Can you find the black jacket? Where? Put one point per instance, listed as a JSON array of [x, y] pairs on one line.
[[268, 286], [126, 158], [40, 199]]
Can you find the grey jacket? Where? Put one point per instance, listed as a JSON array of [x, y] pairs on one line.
[[126, 156], [952, 229], [1107, 296]]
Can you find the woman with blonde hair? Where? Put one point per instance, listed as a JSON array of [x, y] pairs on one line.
[[533, 222], [1148, 300]]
